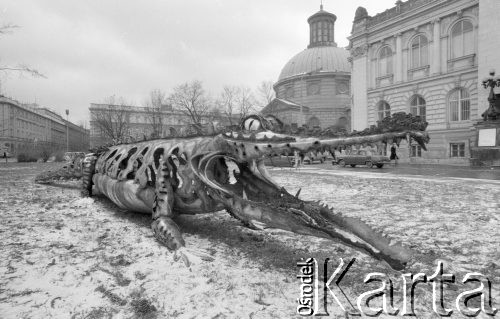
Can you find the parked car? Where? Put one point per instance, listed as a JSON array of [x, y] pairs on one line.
[[361, 158], [319, 157], [311, 158]]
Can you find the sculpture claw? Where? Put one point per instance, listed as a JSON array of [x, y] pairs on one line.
[[190, 256]]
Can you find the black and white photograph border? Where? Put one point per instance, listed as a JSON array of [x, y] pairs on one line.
[[249, 159]]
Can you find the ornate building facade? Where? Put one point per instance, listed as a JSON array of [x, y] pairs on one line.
[[28, 126], [426, 57], [313, 88]]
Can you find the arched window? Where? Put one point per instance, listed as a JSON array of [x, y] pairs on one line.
[[313, 122], [417, 106], [320, 33], [314, 32], [459, 103], [343, 122], [385, 61], [324, 32], [419, 52], [462, 39], [384, 110]]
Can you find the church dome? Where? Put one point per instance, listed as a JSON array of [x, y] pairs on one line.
[[314, 60]]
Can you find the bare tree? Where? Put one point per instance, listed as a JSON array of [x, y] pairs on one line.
[[236, 103], [20, 68], [191, 100], [226, 102], [8, 28], [214, 121], [111, 119], [265, 92], [246, 102], [154, 110]]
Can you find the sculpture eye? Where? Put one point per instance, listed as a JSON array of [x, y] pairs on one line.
[[252, 124]]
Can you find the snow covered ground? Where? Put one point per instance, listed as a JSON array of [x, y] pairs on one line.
[[64, 256]]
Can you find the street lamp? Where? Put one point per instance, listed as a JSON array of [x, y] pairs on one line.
[[491, 82], [67, 130]]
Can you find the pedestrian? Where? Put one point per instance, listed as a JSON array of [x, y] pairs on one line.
[[5, 156], [298, 159], [394, 156]]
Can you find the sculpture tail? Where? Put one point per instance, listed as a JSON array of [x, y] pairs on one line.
[[71, 170]]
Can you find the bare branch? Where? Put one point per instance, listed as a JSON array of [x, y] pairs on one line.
[[22, 68], [112, 119], [236, 103], [8, 28], [246, 102], [265, 92], [226, 102], [154, 110], [191, 100]]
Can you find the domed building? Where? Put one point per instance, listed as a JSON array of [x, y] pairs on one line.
[[313, 88]]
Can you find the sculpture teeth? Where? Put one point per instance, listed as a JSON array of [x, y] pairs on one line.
[[298, 193], [245, 195]]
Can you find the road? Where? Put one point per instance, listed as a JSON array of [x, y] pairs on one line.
[[435, 171]]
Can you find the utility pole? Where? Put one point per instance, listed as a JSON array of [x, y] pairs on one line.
[[67, 130]]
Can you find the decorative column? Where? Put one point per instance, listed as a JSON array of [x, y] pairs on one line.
[[436, 48], [398, 72], [359, 86]]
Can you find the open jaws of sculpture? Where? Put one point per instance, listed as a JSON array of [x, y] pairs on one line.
[[207, 174]]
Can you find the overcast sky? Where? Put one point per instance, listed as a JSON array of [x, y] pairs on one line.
[[93, 49]]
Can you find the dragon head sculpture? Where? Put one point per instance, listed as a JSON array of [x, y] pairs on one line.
[[233, 171]]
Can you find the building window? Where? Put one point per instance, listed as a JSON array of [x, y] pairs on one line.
[[459, 105], [417, 106], [313, 122], [385, 61], [457, 149], [416, 151], [462, 39], [325, 31], [289, 93], [343, 122], [384, 110], [318, 32], [419, 52]]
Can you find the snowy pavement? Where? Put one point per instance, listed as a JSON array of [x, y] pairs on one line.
[[64, 256]]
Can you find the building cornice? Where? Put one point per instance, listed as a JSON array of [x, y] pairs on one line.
[[397, 20], [39, 111], [140, 109], [421, 80], [409, 7], [307, 77]]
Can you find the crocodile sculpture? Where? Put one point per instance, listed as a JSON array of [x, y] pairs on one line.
[[203, 174]]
